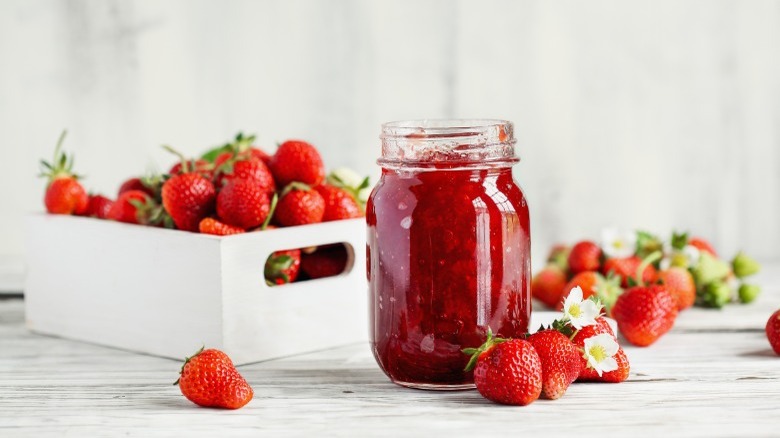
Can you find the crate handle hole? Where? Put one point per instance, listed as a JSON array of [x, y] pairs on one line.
[[308, 264]]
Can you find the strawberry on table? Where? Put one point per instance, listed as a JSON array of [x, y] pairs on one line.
[[243, 203], [210, 225], [209, 379], [644, 314], [296, 160], [548, 286], [773, 331], [506, 371], [150, 186], [339, 204], [679, 282], [560, 360], [299, 205], [596, 353], [584, 256], [64, 193], [98, 206]]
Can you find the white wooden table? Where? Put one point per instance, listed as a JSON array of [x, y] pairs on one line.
[[713, 375]]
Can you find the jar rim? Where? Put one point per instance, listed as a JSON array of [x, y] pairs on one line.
[[467, 142]]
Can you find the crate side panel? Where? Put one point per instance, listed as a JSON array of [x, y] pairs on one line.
[[147, 290]]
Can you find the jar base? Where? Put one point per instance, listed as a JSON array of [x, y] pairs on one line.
[[436, 386]]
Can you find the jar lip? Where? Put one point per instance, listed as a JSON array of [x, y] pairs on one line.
[[444, 127], [469, 142]]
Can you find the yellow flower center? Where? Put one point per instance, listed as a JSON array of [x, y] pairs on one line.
[[598, 353], [618, 244], [575, 311]]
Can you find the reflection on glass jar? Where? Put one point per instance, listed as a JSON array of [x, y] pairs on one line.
[[448, 248]]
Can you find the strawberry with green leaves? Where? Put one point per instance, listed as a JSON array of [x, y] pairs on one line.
[[209, 379], [99, 207], [64, 193], [626, 269], [339, 204], [506, 371], [282, 267], [131, 207]]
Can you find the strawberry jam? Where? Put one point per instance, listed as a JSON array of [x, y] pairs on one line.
[[448, 248]]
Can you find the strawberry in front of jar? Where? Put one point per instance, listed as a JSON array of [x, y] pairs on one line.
[[209, 379], [506, 371], [339, 204], [589, 373], [560, 360], [64, 193]]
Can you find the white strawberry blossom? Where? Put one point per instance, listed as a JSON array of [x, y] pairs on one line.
[[618, 244], [579, 312], [600, 353]]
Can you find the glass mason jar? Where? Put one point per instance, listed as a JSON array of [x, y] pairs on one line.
[[448, 248]]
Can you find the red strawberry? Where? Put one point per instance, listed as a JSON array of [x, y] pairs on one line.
[[136, 184], [679, 282], [64, 194], [589, 374], [249, 169], [584, 256], [339, 204], [627, 267], [326, 261], [98, 207], [129, 208], [209, 379], [299, 205], [560, 361], [296, 160], [547, 286], [283, 266], [209, 225], [773, 331], [644, 314], [702, 245], [188, 198], [243, 203], [507, 371]]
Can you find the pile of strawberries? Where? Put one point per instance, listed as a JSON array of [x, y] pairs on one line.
[[643, 281], [231, 189], [580, 346]]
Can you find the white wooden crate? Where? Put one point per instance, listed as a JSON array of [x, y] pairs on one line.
[[167, 292]]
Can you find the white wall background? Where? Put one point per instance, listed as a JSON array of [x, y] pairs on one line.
[[653, 114]]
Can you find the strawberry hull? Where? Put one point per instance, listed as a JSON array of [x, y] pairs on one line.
[[167, 293]]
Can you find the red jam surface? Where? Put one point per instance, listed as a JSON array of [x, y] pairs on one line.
[[448, 257]]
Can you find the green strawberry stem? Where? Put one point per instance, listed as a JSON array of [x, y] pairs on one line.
[[185, 168], [295, 185], [61, 165], [271, 211], [186, 361], [647, 261], [476, 352]]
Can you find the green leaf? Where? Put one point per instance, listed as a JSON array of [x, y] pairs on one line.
[[213, 153], [679, 241]]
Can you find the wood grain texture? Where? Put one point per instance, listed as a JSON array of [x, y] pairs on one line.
[[654, 114], [713, 375]]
